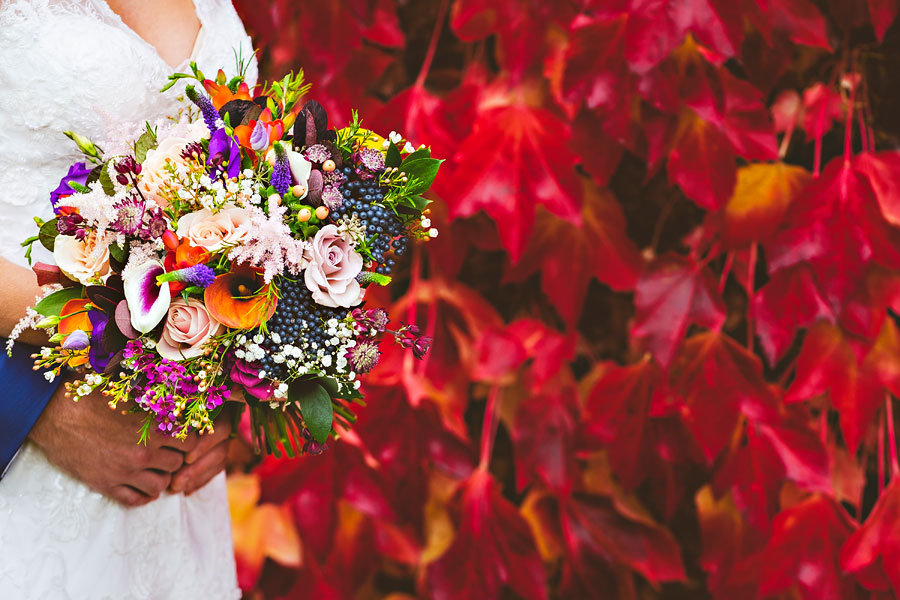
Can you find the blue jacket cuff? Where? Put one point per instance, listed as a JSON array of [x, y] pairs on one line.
[[25, 395]]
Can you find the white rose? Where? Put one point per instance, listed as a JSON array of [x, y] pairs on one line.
[[81, 260], [153, 169], [212, 231]]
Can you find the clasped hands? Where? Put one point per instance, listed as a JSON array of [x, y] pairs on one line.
[[99, 447]]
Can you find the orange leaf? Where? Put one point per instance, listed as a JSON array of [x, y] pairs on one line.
[[761, 197]]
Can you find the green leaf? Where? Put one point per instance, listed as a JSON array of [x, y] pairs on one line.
[[420, 153], [315, 406], [117, 252], [424, 170], [108, 187], [79, 188], [393, 156], [47, 234], [52, 305], [418, 203], [146, 142]]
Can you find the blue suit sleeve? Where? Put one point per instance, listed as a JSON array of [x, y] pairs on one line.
[[23, 395]]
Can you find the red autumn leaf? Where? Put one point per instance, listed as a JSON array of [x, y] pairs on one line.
[[544, 439], [802, 553], [763, 193], [701, 163], [616, 410], [866, 309], [715, 23], [549, 350], [714, 381], [799, 20], [821, 106], [672, 293], [498, 354], [873, 551], [599, 153], [650, 34], [827, 362], [596, 537], [747, 123], [516, 157], [686, 78], [883, 173], [595, 67], [599, 249], [790, 301], [882, 14], [419, 116], [493, 549], [767, 455]]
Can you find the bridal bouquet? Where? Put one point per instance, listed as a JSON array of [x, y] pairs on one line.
[[231, 250]]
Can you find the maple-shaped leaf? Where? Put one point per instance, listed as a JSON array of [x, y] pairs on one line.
[[827, 362], [595, 65], [715, 380], [597, 535], [701, 162], [418, 115], [686, 78], [766, 455], [882, 170], [790, 301], [763, 193], [599, 153], [260, 531], [549, 350], [568, 256], [882, 14], [493, 549], [803, 552], [747, 123], [866, 308], [877, 538], [617, 408], [799, 20], [715, 23], [673, 292], [516, 157], [544, 437], [650, 34]]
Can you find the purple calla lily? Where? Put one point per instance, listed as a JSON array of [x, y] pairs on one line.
[[78, 173], [98, 355], [147, 300], [224, 154]]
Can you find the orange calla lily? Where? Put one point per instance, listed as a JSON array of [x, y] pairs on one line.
[[221, 95], [74, 316], [239, 299]]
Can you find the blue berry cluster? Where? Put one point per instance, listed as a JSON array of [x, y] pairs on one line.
[[297, 320], [362, 198]]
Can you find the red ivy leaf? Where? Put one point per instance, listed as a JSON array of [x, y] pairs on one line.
[[493, 549], [701, 163], [544, 439], [672, 293], [882, 14], [878, 538], [516, 157], [595, 67], [716, 23]]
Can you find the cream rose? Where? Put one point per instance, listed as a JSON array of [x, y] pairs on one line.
[[214, 231], [153, 169], [81, 260], [331, 273], [188, 326]]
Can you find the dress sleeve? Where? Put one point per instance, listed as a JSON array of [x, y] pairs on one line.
[[23, 395]]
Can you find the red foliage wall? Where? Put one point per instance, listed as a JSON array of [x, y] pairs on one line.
[[666, 353]]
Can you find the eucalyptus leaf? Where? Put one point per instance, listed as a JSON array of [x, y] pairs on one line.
[[108, 187], [146, 142]]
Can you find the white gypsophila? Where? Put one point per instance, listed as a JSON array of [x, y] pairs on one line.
[[326, 360], [49, 376]]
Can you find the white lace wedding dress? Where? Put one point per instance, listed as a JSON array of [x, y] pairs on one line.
[[74, 65]]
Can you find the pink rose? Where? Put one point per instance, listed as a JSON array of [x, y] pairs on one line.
[[331, 273], [153, 169], [215, 231], [83, 261], [188, 326]]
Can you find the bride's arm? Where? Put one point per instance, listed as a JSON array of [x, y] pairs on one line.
[[18, 290]]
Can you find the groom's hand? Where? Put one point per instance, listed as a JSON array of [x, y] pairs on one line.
[[207, 459], [99, 447]]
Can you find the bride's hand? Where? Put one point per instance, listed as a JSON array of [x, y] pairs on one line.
[[98, 446], [207, 459]]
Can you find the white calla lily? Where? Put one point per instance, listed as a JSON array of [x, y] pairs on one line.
[[147, 300]]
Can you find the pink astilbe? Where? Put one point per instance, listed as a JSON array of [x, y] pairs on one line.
[[270, 244]]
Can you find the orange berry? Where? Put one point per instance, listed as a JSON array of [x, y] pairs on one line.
[[328, 166], [304, 215], [321, 212]]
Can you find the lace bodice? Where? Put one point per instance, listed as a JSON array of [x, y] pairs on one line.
[[74, 65]]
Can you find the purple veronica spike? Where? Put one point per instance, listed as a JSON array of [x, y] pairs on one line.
[[281, 172], [198, 275], [210, 114]]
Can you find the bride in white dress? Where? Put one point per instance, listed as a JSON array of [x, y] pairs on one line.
[[75, 65]]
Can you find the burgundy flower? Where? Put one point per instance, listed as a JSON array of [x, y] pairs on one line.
[[247, 376]]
